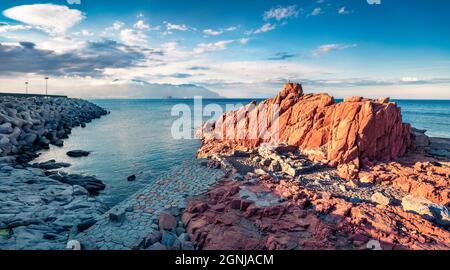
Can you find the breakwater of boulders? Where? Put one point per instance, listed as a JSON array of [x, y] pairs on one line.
[[30, 124], [42, 207]]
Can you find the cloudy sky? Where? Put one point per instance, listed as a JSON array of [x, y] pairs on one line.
[[237, 48]]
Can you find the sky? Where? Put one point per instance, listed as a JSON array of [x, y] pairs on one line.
[[235, 48]]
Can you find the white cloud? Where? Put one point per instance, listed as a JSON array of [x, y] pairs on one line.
[[374, 2], [265, 28], [74, 2], [141, 25], [117, 25], [343, 10], [316, 11], [280, 13], [324, 49], [4, 27], [84, 33], [61, 44], [111, 30], [169, 47], [55, 19], [179, 27], [212, 32], [208, 47], [133, 37], [409, 79], [231, 28], [244, 40]]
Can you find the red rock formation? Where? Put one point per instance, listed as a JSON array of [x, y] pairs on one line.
[[306, 220], [352, 132], [430, 180]]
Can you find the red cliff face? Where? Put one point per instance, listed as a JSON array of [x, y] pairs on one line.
[[352, 133]]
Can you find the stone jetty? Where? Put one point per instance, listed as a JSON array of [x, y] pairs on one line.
[[42, 208]]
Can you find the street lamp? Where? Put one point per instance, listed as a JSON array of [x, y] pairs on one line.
[[26, 88], [46, 87]]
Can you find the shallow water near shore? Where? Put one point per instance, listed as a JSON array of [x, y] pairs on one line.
[[136, 139]]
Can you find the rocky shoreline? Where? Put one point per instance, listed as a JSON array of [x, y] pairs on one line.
[[41, 207], [268, 208], [345, 175]]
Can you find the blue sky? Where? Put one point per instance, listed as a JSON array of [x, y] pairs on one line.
[[90, 48]]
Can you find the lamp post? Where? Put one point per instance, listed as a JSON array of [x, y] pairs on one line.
[[26, 88], [46, 87]]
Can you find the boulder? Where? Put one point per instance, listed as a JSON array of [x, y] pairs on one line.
[[152, 238], [429, 210], [81, 227], [59, 143], [169, 239], [366, 178], [166, 221], [380, 199], [78, 153], [419, 138], [51, 165], [90, 183], [116, 215], [6, 128]]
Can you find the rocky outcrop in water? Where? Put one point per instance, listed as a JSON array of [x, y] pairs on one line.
[[349, 133]]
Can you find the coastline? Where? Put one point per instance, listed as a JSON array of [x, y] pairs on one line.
[[305, 211], [301, 210], [42, 208]]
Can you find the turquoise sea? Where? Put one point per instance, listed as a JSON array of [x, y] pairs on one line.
[[136, 139]]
